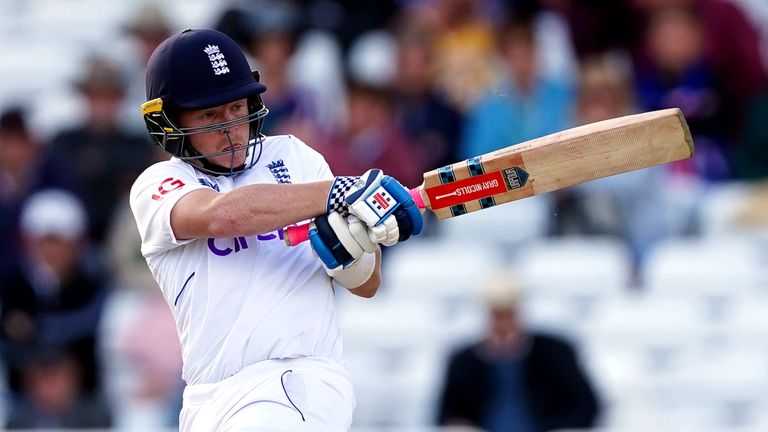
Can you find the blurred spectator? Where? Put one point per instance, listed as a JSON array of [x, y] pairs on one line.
[[145, 30], [24, 168], [465, 54], [425, 116], [596, 26], [678, 74], [348, 19], [244, 20], [269, 31], [104, 158], [372, 58], [751, 159], [53, 395], [51, 298], [626, 206], [142, 370], [523, 106], [345, 19], [123, 253], [731, 46], [605, 89], [516, 379], [149, 27], [372, 138]]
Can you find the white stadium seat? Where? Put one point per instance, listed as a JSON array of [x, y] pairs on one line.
[[506, 224], [579, 272], [440, 270], [396, 353], [714, 268]]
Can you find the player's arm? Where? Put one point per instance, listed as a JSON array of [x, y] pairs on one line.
[[247, 210], [348, 247], [261, 208]]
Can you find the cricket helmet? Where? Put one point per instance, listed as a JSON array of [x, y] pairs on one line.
[[198, 69]]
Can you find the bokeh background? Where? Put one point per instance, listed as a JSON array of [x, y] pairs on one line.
[[656, 278]]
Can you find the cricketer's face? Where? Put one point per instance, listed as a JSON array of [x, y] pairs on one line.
[[232, 140]]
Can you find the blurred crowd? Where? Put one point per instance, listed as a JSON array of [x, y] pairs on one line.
[[403, 85]]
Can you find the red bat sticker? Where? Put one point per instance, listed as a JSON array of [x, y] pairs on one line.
[[461, 191]]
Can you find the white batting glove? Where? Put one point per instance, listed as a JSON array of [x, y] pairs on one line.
[[362, 234], [387, 232], [345, 249], [346, 190], [356, 273]]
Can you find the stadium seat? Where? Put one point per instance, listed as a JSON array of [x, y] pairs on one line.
[[719, 208], [508, 224], [580, 271], [396, 353], [709, 272], [446, 271]]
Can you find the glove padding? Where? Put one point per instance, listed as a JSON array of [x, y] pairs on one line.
[[356, 273], [394, 228], [389, 211], [346, 190], [338, 242]]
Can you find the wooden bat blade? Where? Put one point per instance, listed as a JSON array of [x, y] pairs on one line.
[[558, 161]]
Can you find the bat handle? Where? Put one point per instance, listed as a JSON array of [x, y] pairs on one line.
[[296, 234]]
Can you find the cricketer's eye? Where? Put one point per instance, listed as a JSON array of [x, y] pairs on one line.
[[238, 108]]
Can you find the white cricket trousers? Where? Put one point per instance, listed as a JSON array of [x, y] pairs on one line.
[[289, 395]]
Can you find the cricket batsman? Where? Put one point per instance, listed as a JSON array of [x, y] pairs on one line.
[[261, 346]]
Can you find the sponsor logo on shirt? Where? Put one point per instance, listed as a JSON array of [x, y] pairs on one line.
[[237, 243], [224, 247], [210, 184], [167, 186], [279, 170]]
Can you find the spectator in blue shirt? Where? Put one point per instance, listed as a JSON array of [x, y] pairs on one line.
[[526, 104]]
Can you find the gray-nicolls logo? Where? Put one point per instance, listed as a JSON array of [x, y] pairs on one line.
[[218, 63]]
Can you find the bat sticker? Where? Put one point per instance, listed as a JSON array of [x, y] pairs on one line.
[[476, 188], [515, 177], [447, 176]]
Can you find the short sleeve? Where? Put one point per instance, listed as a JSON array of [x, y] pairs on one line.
[[316, 165], [153, 196]]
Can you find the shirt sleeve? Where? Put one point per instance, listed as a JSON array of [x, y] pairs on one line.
[[153, 196], [317, 168]]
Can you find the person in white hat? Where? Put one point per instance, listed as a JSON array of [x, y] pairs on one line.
[[51, 298], [516, 379]]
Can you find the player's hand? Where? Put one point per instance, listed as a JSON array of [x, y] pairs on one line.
[[381, 202], [389, 212], [345, 248], [339, 242], [350, 189]]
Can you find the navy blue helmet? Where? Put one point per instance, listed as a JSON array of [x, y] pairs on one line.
[[198, 69]]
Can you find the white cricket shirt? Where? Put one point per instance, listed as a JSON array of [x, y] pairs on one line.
[[237, 301]]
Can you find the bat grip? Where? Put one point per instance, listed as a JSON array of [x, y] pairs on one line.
[[417, 198], [296, 234]]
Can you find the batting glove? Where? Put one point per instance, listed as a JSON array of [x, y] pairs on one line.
[[346, 190], [389, 211], [345, 249], [338, 242]]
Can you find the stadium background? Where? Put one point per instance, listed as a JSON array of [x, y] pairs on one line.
[[658, 277]]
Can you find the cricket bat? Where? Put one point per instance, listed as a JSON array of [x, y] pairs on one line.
[[547, 164]]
